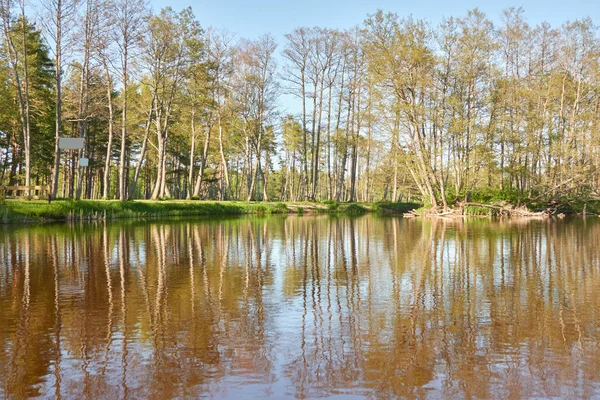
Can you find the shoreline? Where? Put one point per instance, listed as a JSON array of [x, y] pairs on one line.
[[40, 212]]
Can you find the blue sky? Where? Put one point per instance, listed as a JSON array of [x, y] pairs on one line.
[[252, 18]]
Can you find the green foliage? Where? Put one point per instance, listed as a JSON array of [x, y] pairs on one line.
[[578, 206], [279, 208], [354, 209], [292, 134], [260, 209], [332, 205], [40, 71], [4, 211], [398, 208], [493, 195]]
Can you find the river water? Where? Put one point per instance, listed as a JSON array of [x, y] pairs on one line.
[[301, 307]]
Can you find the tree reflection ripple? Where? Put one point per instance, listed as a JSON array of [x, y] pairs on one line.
[[301, 307]]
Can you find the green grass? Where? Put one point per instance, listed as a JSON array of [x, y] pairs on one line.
[[32, 211], [21, 211]]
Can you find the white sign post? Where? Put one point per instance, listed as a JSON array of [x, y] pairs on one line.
[[67, 143]]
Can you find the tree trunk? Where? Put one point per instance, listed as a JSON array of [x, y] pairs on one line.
[[223, 160], [83, 101], [315, 180], [157, 191], [138, 166], [122, 194], [198, 185], [192, 154], [26, 112], [58, 99], [108, 156]]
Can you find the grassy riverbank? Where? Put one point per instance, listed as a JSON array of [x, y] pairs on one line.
[[22, 211]]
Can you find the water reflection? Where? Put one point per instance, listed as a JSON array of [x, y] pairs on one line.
[[301, 307]]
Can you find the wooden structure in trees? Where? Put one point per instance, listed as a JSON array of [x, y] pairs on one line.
[[25, 192]]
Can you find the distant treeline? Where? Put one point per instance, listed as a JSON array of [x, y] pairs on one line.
[[394, 109]]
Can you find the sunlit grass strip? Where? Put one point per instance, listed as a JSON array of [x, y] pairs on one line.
[[15, 211], [31, 211]]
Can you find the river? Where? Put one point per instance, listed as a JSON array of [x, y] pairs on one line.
[[301, 307]]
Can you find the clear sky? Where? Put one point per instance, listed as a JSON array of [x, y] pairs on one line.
[[252, 18]]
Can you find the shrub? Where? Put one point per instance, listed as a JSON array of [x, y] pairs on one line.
[[355, 209], [332, 205], [280, 208]]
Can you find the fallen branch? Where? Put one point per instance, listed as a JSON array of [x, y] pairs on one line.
[[511, 212], [501, 211], [411, 214]]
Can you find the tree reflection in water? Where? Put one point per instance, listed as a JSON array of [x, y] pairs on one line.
[[301, 307]]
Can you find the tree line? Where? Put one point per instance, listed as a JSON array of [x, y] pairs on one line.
[[394, 109]]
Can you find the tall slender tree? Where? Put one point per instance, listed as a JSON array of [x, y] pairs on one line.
[[130, 18]]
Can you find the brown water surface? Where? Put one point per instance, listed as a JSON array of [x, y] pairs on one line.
[[301, 307]]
